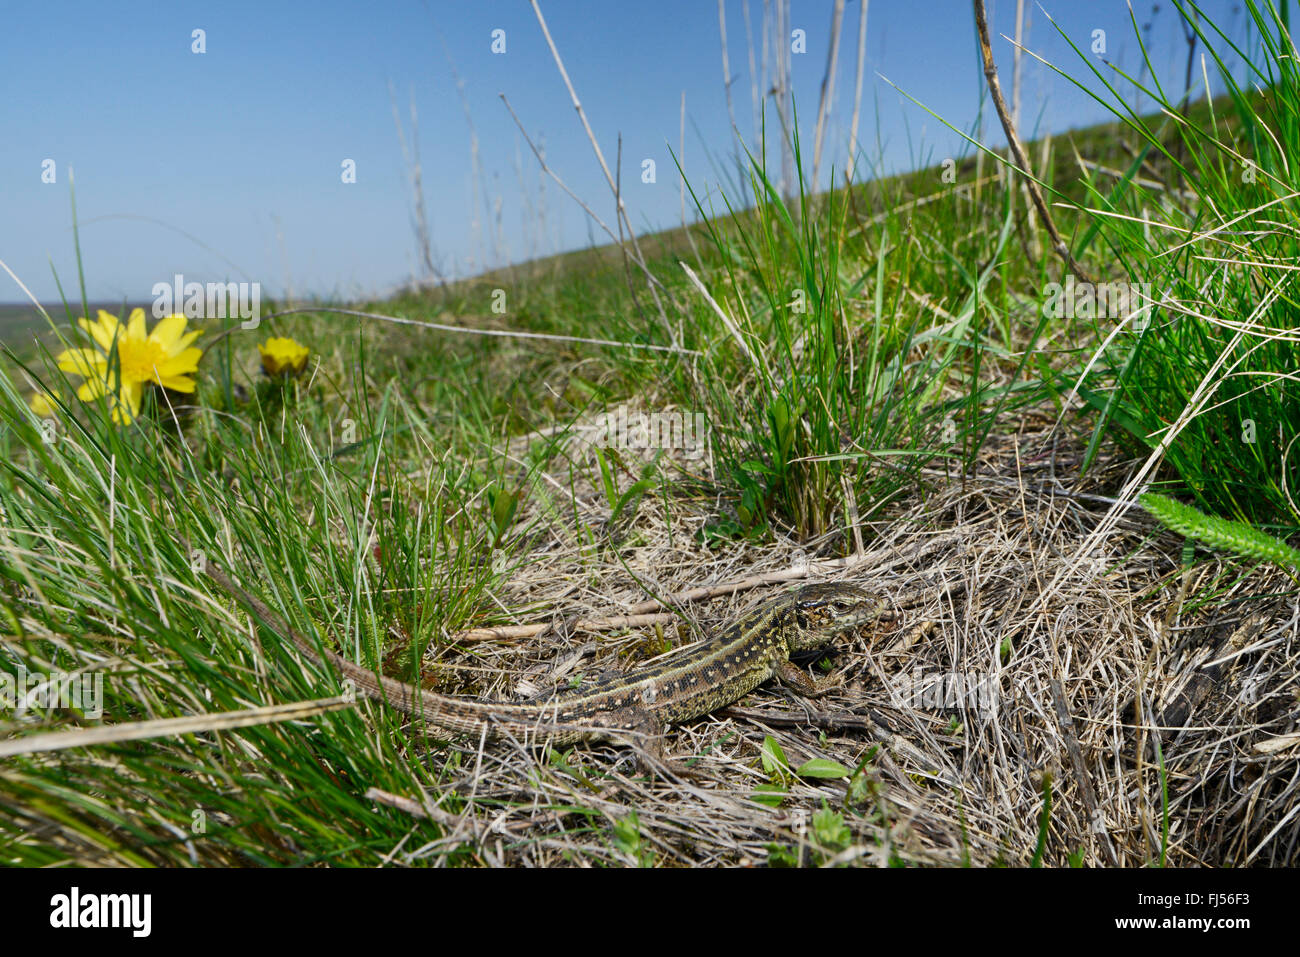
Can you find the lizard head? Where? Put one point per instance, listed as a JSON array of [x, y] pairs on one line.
[[823, 611]]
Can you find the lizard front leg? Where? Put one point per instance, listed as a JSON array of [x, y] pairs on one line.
[[792, 676]]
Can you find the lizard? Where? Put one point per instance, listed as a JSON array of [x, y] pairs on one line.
[[637, 704]]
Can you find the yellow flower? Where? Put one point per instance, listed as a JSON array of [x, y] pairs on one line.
[[283, 357], [41, 404], [126, 359]]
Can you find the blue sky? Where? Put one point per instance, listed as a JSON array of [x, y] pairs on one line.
[[226, 164]]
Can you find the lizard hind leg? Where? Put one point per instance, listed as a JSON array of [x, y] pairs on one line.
[[645, 735], [643, 731]]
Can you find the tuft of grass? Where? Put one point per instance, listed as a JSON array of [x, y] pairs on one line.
[[1203, 367], [822, 392]]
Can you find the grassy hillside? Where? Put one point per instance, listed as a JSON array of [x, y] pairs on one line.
[[900, 384]]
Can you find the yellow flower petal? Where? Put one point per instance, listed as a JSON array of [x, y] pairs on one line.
[[178, 383], [91, 390], [103, 331], [131, 394], [135, 326], [187, 361], [82, 362], [41, 403], [167, 333]]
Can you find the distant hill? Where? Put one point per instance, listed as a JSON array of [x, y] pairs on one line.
[[19, 321]]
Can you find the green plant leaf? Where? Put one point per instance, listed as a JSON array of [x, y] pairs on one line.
[[822, 768], [771, 795]]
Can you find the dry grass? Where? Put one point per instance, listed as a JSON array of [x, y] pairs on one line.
[[988, 582]]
